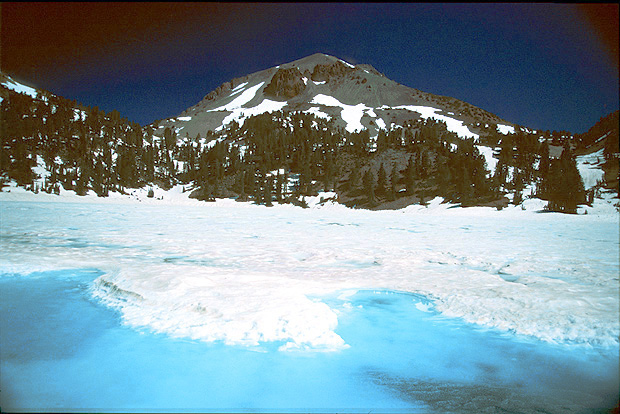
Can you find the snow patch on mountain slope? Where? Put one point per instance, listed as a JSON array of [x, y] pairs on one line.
[[505, 129], [318, 113], [351, 114], [241, 114], [491, 161], [241, 100], [346, 63], [19, 88], [238, 87], [590, 168], [453, 125]]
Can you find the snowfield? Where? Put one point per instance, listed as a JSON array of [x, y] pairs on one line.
[[505, 129], [236, 107], [453, 125], [19, 88], [246, 274], [351, 114], [589, 167]]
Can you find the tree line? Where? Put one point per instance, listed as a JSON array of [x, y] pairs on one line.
[[276, 157]]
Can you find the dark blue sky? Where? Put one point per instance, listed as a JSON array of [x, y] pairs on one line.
[[545, 66]]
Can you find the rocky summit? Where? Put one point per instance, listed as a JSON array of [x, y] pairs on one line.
[[355, 97]]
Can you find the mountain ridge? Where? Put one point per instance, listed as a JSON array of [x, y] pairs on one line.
[[321, 74]]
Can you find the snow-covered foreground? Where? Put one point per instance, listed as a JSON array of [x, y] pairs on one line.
[[245, 274], [286, 279]]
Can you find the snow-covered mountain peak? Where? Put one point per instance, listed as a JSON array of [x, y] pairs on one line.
[[301, 85]]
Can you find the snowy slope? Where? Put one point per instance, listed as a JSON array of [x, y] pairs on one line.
[[13, 85], [589, 166], [355, 97]]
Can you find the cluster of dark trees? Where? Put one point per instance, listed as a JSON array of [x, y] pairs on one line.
[[80, 147], [274, 157]]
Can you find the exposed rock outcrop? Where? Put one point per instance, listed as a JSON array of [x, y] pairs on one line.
[[285, 84], [325, 72], [224, 88]]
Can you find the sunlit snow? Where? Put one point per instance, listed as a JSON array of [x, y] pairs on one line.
[[18, 87], [240, 114], [505, 129], [351, 114], [239, 87], [346, 63], [491, 161], [491, 274], [453, 125], [240, 100], [318, 113], [590, 168]]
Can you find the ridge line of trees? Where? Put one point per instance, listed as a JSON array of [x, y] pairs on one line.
[[275, 157]]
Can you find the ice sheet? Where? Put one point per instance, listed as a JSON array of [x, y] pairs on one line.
[[243, 274]]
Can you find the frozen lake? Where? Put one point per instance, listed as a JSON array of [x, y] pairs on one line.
[[130, 307]]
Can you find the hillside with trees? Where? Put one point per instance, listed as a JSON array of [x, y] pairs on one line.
[[48, 142]]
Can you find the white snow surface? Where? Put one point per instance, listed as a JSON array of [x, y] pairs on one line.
[[381, 123], [240, 100], [346, 63], [184, 118], [488, 157], [590, 168], [453, 125], [318, 113], [351, 114], [19, 88], [238, 87], [244, 274], [505, 129], [240, 113]]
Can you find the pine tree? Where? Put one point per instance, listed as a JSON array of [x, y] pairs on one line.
[[258, 187], [393, 183], [564, 186], [382, 141], [369, 186], [543, 169], [268, 193], [354, 179], [410, 175], [278, 187], [381, 181]]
